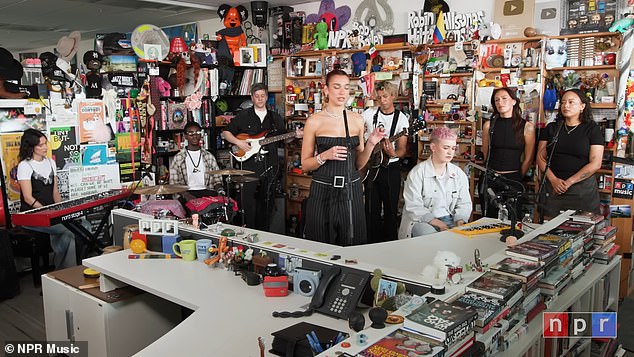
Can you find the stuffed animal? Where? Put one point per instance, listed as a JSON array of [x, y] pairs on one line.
[[321, 36], [442, 261], [359, 63], [232, 37], [623, 24]]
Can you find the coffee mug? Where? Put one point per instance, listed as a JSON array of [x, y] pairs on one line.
[[185, 249], [168, 243], [202, 249]]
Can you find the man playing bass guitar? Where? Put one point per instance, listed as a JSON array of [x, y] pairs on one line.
[[383, 187], [257, 196]]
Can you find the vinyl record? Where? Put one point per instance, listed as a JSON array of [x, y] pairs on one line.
[[149, 35]]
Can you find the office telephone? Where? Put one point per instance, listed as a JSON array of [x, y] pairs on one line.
[[338, 293]]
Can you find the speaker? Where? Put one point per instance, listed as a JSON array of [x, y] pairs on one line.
[[258, 12], [306, 281]]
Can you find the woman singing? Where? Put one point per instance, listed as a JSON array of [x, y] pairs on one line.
[[336, 189], [511, 140], [570, 151]]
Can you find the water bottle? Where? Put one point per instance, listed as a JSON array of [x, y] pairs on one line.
[[526, 223], [503, 214]]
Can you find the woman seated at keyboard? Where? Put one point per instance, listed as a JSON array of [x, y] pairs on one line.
[[436, 191], [38, 188]]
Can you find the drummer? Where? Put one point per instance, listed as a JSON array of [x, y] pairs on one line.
[[191, 166]]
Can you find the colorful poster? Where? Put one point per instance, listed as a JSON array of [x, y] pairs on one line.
[[623, 188], [65, 149], [124, 143], [10, 160], [15, 120], [97, 154], [91, 115], [87, 180]]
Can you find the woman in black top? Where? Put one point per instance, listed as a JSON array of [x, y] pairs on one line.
[[38, 188], [511, 141], [334, 149], [573, 145]]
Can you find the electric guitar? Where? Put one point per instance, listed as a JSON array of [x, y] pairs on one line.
[[257, 142], [378, 158]]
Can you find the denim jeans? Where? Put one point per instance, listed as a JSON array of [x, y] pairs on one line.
[[424, 228], [63, 243]]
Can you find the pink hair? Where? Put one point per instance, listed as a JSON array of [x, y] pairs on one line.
[[443, 133]]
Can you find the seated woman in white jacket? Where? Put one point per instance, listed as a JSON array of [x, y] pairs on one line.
[[436, 191]]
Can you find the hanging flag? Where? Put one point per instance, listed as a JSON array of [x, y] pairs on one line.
[[440, 32]]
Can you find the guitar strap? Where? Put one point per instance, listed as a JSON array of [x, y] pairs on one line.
[[394, 120]]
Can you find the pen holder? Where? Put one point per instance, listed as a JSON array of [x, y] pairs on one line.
[[292, 341]]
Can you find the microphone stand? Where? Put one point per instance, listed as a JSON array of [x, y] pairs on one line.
[[543, 181], [511, 204], [485, 180], [348, 178]]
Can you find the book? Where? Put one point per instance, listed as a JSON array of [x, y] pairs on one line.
[[605, 232], [573, 230], [403, 343], [443, 321], [532, 251], [561, 243], [495, 285], [585, 216], [486, 307], [522, 270]]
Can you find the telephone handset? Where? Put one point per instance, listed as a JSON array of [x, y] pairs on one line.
[[337, 295], [339, 291]]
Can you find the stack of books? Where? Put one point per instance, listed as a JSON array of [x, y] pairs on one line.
[[555, 281], [446, 323]]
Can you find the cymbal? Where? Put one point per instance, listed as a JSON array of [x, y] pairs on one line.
[[161, 189], [230, 172], [244, 179]]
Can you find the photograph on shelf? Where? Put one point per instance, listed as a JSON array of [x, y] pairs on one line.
[[620, 211], [152, 52], [311, 67], [259, 54], [246, 56]]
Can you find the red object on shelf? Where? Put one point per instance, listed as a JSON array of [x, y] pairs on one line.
[[275, 286]]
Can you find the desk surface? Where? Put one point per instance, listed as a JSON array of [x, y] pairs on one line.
[[229, 315]]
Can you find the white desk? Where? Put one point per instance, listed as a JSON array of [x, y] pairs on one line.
[[229, 315]]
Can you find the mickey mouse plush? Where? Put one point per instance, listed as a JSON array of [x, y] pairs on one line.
[[232, 37]]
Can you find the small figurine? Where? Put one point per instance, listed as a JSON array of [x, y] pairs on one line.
[[219, 253], [321, 36], [232, 37]]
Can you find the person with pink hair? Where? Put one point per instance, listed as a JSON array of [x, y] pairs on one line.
[[436, 191]]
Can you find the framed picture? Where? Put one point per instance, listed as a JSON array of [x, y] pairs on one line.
[[259, 54], [246, 56], [310, 69]]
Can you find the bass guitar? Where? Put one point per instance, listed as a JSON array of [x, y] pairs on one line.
[[257, 142], [379, 159]]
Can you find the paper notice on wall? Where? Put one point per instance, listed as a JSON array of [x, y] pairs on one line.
[[91, 114], [88, 180], [10, 160]]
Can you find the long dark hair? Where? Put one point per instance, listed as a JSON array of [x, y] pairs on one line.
[[516, 117], [586, 114], [30, 139]]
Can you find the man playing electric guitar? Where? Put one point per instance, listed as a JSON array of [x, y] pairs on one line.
[[257, 201], [381, 194]]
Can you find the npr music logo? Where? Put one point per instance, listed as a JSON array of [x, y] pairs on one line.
[[579, 324]]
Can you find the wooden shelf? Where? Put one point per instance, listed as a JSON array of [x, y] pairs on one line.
[[527, 69], [605, 191], [603, 105], [584, 68], [584, 35], [304, 77], [515, 39], [447, 75], [328, 52]]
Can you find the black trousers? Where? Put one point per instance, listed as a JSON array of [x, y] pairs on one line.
[[381, 196], [256, 199]]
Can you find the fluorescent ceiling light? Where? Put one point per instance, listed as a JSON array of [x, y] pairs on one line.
[[183, 4]]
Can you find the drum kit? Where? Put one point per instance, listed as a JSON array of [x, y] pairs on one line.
[[239, 182]]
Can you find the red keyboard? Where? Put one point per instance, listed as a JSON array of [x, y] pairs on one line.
[[59, 212]]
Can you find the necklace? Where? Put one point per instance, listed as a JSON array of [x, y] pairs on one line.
[[192, 160], [332, 115], [571, 130]]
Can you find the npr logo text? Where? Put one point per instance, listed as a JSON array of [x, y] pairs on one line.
[[579, 324]]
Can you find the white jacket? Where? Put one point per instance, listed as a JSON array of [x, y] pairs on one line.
[[419, 186]]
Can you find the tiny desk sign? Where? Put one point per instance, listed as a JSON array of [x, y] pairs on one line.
[[623, 188], [158, 226]]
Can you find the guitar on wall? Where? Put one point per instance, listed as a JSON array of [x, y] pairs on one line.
[[379, 159], [257, 142]]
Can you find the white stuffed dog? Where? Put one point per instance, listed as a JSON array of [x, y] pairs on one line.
[[439, 269]]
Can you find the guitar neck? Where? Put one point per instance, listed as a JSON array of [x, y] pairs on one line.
[[275, 138]]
